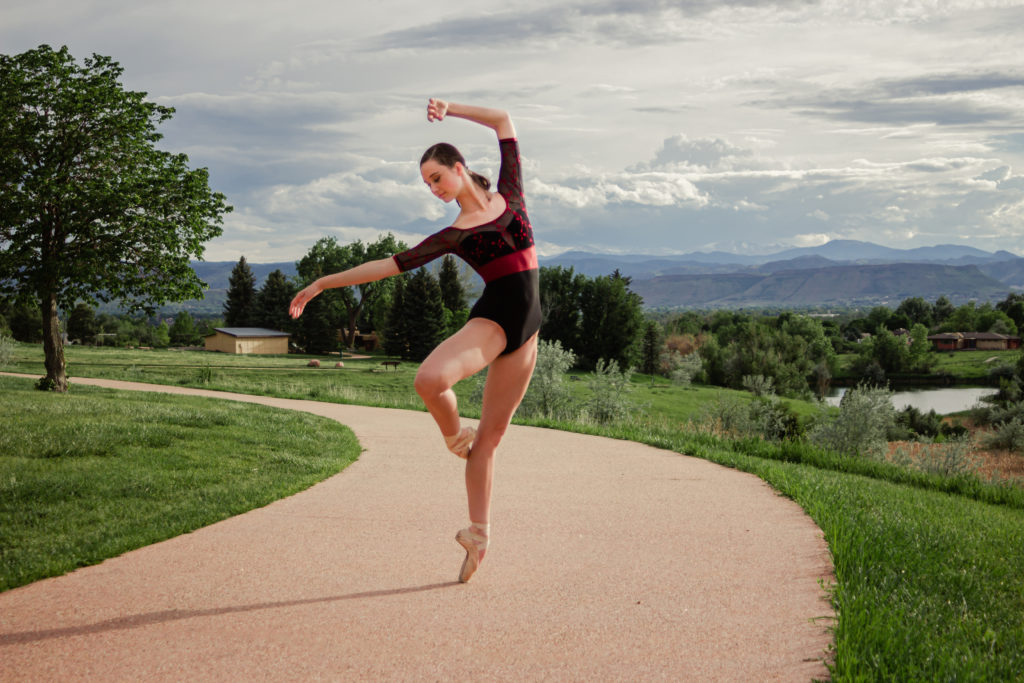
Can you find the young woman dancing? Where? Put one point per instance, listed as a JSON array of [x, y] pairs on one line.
[[493, 235]]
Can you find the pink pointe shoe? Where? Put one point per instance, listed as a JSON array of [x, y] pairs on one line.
[[475, 544], [459, 443]]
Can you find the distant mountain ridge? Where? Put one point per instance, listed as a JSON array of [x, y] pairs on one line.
[[839, 272]]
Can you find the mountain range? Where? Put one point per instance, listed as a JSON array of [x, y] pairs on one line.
[[840, 272]]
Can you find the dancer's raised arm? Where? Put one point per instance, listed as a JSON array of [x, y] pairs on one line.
[[370, 271], [497, 120]]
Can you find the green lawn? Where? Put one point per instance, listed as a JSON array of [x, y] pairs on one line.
[[93, 473], [929, 570], [964, 366]]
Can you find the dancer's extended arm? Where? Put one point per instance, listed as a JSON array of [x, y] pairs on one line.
[[497, 120], [361, 274]]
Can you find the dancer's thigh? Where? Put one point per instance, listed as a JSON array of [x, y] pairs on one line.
[[464, 353], [507, 381]]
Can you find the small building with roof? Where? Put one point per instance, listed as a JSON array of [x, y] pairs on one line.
[[969, 341], [247, 340]]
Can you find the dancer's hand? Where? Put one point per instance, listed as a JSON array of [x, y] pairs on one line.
[[302, 298], [436, 109]]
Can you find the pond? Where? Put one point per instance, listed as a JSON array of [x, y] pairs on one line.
[[943, 401]]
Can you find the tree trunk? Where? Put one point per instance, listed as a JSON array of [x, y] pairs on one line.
[[353, 318], [53, 345]]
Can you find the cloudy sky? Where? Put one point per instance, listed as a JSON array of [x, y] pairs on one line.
[[646, 126]]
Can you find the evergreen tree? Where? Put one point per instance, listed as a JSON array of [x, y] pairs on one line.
[[650, 349], [240, 307], [316, 331], [272, 302], [453, 294], [423, 314], [396, 332]]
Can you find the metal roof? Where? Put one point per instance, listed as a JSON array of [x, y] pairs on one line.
[[250, 332]]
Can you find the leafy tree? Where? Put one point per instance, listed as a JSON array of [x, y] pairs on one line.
[[240, 306], [183, 331], [942, 310], [344, 306], [610, 323], [917, 311], [272, 302], [1013, 307], [423, 313], [82, 325], [26, 322], [89, 208], [560, 292]]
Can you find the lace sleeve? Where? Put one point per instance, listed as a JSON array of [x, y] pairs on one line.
[[510, 178], [438, 244]]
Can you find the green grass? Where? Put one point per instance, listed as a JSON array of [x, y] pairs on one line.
[[929, 570], [929, 584], [966, 367], [93, 473]]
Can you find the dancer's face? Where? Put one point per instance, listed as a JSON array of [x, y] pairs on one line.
[[443, 181]]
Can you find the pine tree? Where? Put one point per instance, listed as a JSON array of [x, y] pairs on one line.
[[650, 349], [396, 332], [423, 314], [272, 302], [453, 294], [240, 307]]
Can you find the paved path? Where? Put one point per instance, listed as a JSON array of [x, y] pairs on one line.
[[609, 561]]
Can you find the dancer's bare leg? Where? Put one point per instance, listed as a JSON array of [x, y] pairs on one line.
[[463, 354], [507, 380]]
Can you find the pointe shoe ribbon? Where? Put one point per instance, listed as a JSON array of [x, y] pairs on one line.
[[460, 443]]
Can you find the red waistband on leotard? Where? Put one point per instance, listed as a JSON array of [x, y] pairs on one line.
[[509, 263]]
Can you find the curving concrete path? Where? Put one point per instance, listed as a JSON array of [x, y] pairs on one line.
[[609, 560]]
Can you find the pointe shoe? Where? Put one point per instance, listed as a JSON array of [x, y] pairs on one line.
[[475, 544], [459, 443]]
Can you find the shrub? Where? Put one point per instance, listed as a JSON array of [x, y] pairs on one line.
[[679, 368], [609, 387], [759, 385], [865, 417], [548, 396], [6, 350], [1009, 435], [765, 418]]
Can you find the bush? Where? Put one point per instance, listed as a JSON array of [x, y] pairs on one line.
[[1009, 435], [548, 396], [759, 385], [6, 350], [609, 387], [764, 418], [865, 416]]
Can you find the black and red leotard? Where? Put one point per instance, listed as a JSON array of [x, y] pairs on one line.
[[501, 252]]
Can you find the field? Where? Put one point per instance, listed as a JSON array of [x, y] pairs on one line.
[[929, 569]]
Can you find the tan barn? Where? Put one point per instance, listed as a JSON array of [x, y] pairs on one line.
[[247, 340]]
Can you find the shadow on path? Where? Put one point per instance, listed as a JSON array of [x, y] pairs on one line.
[[137, 620]]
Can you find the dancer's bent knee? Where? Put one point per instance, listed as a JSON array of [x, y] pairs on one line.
[[430, 384]]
